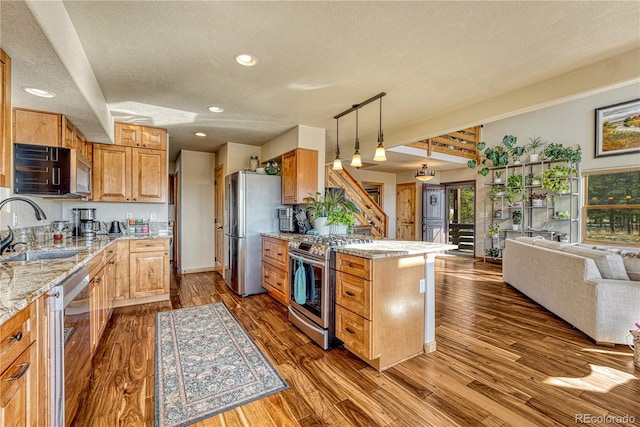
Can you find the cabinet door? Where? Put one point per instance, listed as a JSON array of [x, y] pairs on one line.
[[122, 271], [111, 173], [5, 120], [289, 178], [154, 138], [128, 135], [37, 127], [148, 274], [149, 175]]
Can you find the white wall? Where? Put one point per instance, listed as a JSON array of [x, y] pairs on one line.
[[107, 212], [24, 212], [197, 231], [236, 157]]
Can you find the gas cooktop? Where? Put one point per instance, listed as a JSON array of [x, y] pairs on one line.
[[320, 246]]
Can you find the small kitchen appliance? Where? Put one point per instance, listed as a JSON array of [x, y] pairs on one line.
[[85, 222], [285, 217]]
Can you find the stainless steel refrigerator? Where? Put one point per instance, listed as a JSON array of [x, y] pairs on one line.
[[251, 206]]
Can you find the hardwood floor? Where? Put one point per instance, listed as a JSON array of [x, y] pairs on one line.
[[501, 360]]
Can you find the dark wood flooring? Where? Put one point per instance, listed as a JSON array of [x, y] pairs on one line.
[[501, 360]]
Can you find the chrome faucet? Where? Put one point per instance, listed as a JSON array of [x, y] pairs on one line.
[[40, 215]]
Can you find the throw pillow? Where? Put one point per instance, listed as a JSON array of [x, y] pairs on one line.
[[632, 264], [610, 264], [549, 244]]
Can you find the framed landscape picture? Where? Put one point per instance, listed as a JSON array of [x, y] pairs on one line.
[[618, 129]]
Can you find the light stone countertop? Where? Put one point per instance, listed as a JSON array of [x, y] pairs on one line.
[[388, 248], [23, 282]]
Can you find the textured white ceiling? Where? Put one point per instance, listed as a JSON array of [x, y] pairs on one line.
[[163, 63]]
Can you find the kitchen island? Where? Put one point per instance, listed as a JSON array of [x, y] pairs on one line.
[[382, 291]]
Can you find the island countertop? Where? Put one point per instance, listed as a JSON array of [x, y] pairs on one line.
[[389, 248], [22, 282]]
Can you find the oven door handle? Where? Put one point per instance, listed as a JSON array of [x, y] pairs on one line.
[[296, 257]]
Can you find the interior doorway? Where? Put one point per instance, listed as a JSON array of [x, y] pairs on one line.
[[461, 214], [219, 218]]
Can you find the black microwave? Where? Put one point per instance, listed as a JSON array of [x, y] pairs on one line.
[[41, 170]]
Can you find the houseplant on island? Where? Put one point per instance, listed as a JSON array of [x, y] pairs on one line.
[[334, 209]]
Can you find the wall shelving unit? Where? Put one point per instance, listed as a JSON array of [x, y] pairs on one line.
[[553, 217]]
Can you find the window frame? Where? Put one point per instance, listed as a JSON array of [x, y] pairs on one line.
[[586, 206]]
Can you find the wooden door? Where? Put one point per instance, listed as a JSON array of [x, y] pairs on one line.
[[406, 211], [154, 138], [5, 120], [111, 173], [434, 227], [128, 135], [176, 221], [147, 274], [148, 175], [219, 220]]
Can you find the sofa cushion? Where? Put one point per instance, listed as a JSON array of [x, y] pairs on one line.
[[526, 239], [610, 264], [549, 244], [630, 259]]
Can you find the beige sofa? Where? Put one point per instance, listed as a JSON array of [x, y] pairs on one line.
[[595, 290]]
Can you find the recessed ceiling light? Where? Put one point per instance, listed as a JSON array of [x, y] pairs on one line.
[[39, 92], [215, 109], [200, 134], [246, 60]]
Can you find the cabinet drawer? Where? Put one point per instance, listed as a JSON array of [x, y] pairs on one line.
[[14, 390], [275, 281], [15, 337], [149, 245], [95, 264], [354, 331], [276, 252], [360, 267], [354, 294]]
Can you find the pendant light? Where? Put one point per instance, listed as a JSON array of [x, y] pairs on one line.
[[425, 174], [380, 155], [356, 160], [337, 163]]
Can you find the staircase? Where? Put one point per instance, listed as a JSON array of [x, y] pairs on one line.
[[370, 212]]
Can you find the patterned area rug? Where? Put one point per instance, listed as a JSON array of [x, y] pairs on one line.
[[206, 364]]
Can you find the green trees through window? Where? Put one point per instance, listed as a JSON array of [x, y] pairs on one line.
[[612, 207]]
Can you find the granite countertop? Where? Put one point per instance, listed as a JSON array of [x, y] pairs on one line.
[[284, 236], [388, 248], [22, 282]]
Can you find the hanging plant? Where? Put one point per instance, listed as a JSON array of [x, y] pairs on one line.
[[498, 155], [557, 178], [558, 152]]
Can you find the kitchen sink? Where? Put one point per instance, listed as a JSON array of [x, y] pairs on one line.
[[38, 255]]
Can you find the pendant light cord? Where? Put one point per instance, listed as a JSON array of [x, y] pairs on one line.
[[380, 135], [357, 107], [337, 138]]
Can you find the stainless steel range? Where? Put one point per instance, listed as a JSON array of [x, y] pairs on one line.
[[312, 303]]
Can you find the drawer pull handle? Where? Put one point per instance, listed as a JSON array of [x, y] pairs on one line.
[[25, 368], [267, 249], [280, 254], [351, 294], [266, 276], [16, 337], [351, 331], [350, 265]]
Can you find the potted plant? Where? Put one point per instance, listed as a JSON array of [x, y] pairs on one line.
[[534, 179], [516, 152], [497, 176], [537, 199], [558, 152], [492, 252], [557, 178], [516, 217], [496, 192], [498, 155], [494, 230], [514, 181], [533, 148], [332, 210]]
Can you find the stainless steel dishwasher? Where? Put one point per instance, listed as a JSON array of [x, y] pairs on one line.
[[70, 346]]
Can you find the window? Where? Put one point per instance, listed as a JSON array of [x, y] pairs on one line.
[[612, 207]]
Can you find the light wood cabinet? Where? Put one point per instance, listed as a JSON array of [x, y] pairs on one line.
[[45, 312], [18, 366], [37, 127], [379, 312], [275, 268], [122, 272], [73, 138], [5, 119], [128, 135], [149, 268], [299, 175], [124, 174], [102, 289]]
